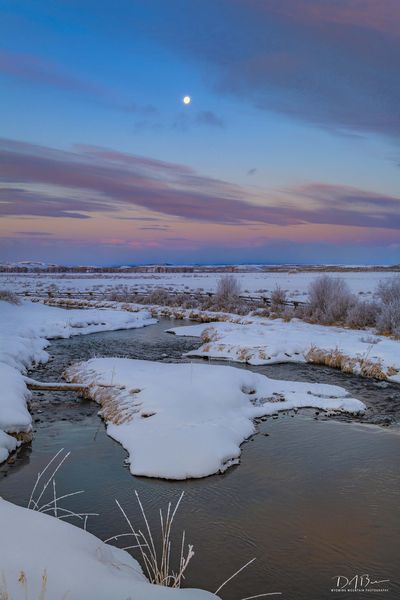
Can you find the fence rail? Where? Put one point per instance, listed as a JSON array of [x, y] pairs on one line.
[[104, 296]]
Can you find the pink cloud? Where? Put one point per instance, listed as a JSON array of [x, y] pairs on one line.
[[92, 180]]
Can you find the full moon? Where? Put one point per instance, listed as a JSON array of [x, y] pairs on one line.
[[187, 100]]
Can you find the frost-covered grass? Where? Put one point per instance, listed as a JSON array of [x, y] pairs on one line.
[[350, 299], [184, 420], [44, 497], [329, 300], [388, 321], [294, 283], [332, 303], [157, 558], [45, 571]]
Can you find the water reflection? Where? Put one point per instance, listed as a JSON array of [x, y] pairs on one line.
[[310, 500]]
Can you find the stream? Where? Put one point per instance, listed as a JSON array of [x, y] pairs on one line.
[[314, 497]]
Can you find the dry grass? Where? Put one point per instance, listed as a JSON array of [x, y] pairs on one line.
[[209, 335], [23, 581], [244, 354], [156, 557], [45, 488], [155, 549], [8, 296], [118, 405], [336, 359]]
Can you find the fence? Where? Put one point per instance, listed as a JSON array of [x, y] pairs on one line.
[[101, 295]]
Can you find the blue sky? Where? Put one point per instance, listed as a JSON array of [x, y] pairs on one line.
[[288, 152]]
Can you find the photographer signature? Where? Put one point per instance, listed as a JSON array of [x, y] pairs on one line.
[[361, 582]]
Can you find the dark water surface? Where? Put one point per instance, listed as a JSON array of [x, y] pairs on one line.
[[313, 498]]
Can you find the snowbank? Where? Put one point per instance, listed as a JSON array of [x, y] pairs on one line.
[[78, 565], [266, 341], [24, 330], [188, 420], [7, 444]]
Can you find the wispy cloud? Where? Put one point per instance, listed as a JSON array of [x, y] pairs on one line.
[[89, 180], [184, 121], [36, 70], [32, 233], [208, 117], [33, 69]]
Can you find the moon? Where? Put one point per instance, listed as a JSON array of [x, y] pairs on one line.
[[186, 100]]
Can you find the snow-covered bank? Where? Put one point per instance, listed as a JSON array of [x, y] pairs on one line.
[[44, 557], [24, 330], [188, 420], [264, 341]]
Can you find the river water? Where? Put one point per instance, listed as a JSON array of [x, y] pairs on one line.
[[313, 497]]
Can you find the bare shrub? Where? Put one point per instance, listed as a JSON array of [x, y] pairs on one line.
[[159, 296], [389, 319], [227, 297], [389, 294], [389, 291], [278, 298], [362, 314], [228, 288], [9, 296], [329, 300]]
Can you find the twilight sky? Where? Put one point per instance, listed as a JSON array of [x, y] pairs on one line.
[[288, 152]]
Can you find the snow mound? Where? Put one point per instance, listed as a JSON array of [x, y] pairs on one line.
[[78, 565], [24, 330], [266, 341], [188, 420]]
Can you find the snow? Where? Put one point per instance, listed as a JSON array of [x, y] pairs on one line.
[[78, 565], [267, 341], [7, 444], [24, 330], [188, 420], [296, 283]]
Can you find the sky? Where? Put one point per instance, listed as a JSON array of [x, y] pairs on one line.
[[287, 153]]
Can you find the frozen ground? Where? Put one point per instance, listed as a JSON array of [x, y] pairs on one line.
[[74, 563], [295, 283], [188, 420], [24, 330], [260, 341]]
